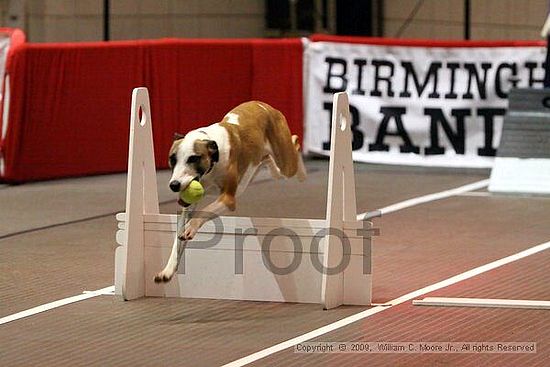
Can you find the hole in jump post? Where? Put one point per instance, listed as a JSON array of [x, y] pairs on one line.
[[343, 122], [142, 116]]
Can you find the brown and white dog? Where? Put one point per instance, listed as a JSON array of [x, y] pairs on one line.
[[228, 155]]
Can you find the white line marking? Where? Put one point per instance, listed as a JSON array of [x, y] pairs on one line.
[[427, 198], [109, 291], [476, 193], [372, 311], [55, 304]]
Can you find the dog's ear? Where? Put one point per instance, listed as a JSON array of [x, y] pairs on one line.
[[213, 150], [178, 136]]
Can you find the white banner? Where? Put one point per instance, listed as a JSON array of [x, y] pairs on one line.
[[4, 48], [411, 105]]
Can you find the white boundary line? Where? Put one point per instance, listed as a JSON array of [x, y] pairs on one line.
[[55, 304], [424, 199], [372, 311]]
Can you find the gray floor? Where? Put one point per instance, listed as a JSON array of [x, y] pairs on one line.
[[57, 240]]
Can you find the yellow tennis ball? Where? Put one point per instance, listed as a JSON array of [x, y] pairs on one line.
[[193, 193]]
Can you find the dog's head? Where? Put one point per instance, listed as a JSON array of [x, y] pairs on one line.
[[190, 158]]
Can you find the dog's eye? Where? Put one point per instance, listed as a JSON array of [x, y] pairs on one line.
[[193, 159], [173, 160]]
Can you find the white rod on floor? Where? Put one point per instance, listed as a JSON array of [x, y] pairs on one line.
[[424, 199], [482, 302]]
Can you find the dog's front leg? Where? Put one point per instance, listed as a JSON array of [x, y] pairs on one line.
[[223, 203], [172, 266]]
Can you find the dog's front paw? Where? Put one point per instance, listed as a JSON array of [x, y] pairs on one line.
[[190, 231], [163, 277]]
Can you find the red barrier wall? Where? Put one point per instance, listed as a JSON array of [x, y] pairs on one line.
[[70, 103]]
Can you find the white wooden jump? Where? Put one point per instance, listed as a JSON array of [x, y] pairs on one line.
[[239, 265]]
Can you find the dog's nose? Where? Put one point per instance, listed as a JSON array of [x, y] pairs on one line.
[[175, 186]]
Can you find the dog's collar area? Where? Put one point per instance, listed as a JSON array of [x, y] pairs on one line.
[[201, 175], [215, 157], [211, 166], [183, 203]]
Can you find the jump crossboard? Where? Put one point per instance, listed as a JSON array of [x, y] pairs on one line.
[[167, 222]]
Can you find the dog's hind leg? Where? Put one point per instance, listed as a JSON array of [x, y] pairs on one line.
[[301, 172], [272, 166]]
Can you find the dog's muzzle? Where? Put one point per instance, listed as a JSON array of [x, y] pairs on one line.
[[175, 186]]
